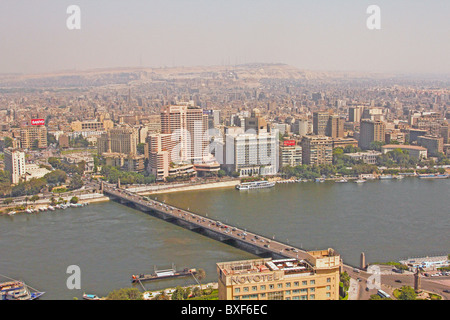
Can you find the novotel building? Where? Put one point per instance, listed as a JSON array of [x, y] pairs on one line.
[[314, 278]]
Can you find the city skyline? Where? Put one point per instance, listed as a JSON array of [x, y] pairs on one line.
[[320, 36]]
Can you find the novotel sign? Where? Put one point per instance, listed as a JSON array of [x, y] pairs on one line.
[[254, 278], [37, 122]]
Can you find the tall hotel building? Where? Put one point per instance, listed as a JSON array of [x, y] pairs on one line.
[[182, 143], [15, 164], [189, 128], [316, 277]]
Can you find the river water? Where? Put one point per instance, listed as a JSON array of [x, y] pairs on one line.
[[388, 220]]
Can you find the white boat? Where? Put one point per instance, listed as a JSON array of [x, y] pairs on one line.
[[51, 208], [399, 177], [360, 181], [29, 211], [342, 180], [11, 213], [255, 185]]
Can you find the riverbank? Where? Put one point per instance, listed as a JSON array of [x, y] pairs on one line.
[[214, 185]]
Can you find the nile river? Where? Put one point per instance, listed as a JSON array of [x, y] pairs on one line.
[[388, 220]]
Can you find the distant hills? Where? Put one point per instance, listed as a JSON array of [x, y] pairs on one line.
[[248, 74]]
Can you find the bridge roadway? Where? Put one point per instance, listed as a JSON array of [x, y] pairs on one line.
[[243, 239]]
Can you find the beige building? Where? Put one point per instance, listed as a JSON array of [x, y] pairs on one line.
[[314, 278], [30, 134], [414, 151], [370, 131], [118, 140], [317, 150], [92, 125]]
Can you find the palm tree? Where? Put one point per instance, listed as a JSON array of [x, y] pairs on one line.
[[201, 274]]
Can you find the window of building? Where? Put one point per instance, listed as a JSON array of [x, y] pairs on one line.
[[328, 279], [245, 289], [312, 282], [304, 290], [262, 295], [312, 289], [287, 292], [288, 284], [304, 283], [312, 296], [254, 288], [271, 286], [263, 287], [280, 285], [296, 284], [328, 294], [328, 287], [296, 298], [237, 290], [304, 298]]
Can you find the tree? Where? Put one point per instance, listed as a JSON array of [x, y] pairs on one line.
[[345, 279], [141, 148], [74, 200], [34, 198], [56, 177], [8, 201], [201, 274], [197, 292], [76, 182], [178, 294], [35, 144], [161, 296], [221, 173], [407, 293], [125, 294], [8, 142]]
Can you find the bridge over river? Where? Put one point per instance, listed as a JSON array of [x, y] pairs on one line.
[[240, 238]]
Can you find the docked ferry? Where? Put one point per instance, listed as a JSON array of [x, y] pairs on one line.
[[17, 290], [255, 185], [434, 176]]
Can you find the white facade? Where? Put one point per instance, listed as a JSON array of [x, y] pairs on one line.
[[252, 154], [15, 164]]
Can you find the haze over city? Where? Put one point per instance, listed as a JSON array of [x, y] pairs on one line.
[[311, 35]]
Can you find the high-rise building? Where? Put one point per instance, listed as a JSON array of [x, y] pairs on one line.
[[335, 127], [370, 131], [255, 122], [33, 137], [315, 277], [355, 113], [160, 147], [15, 164], [317, 150], [320, 122], [189, 128]]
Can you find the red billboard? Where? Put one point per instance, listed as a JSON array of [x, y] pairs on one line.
[[37, 122], [289, 142]]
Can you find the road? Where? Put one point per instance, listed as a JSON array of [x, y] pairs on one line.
[[388, 283]]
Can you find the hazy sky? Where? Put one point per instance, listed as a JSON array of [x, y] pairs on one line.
[[308, 34]]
